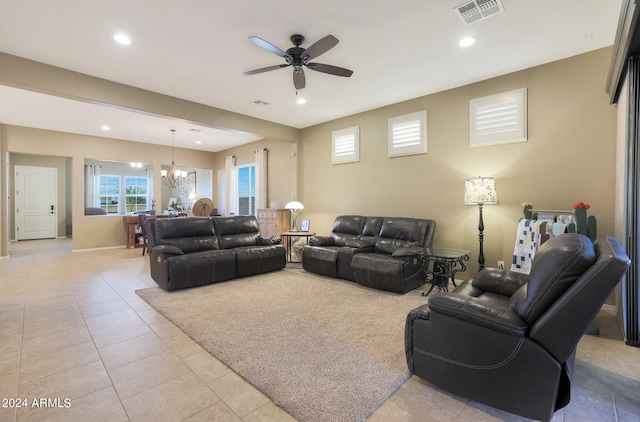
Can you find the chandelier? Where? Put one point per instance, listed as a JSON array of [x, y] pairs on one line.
[[172, 176]]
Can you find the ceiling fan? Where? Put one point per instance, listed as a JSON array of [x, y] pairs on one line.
[[299, 57]]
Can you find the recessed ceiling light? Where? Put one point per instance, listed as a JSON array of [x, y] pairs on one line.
[[301, 101], [467, 41], [198, 142], [105, 127], [122, 39]]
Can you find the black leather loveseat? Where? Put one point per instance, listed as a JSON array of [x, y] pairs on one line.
[[193, 251], [378, 252]]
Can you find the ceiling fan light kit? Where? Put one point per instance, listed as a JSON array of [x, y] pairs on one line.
[[300, 57]]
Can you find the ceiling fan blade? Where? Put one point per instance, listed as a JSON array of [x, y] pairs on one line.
[[320, 47], [332, 70], [299, 81], [266, 69], [268, 46]]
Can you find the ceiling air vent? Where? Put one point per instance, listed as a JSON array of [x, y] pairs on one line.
[[477, 10]]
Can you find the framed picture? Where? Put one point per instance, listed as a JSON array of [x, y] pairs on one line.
[[305, 225]]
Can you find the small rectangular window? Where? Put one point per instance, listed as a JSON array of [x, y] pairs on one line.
[[246, 190], [110, 194], [408, 134], [136, 193], [345, 147], [498, 119]]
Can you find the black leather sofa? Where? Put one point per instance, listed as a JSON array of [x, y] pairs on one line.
[[378, 252], [193, 251], [509, 340]]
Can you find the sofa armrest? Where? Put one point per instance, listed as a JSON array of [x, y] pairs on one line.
[[486, 311], [499, 281], [167, 250], [320, 241], [360, 245], [267, 240], [419, 313], [408, 251]]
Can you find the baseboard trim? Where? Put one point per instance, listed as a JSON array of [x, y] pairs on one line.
[[99, 249]]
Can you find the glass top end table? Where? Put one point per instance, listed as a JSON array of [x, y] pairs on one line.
[[441, 265]]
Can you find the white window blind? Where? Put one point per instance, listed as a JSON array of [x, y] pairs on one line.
[[345, 145], [407, 134], [498, 119]]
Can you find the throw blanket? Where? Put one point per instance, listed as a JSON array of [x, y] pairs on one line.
[[530, 235]]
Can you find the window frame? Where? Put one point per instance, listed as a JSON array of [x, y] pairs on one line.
[[339, 139], [107, 197], [127, 195], [510, 102], [252, 186], [414, 148]]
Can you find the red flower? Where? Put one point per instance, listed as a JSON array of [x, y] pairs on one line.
[[581, 205]]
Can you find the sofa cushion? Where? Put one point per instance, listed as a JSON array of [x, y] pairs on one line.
[[236, 231], [199, 268], [558, 264], [380, 271], [321, 260], [253, 260], [371, 229], [397, 233], [346, 228], [189, 234]]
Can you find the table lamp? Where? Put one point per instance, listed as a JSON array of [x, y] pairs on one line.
[[481, 191], [295, 207]]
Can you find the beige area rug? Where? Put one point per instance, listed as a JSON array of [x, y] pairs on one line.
[[322, 349]]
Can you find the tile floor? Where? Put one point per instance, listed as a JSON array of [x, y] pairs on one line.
[[77, 344]]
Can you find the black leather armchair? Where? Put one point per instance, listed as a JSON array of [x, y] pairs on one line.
[[508, 339]]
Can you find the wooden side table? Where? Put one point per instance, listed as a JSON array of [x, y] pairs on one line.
[[442, 264], [133, 232], [287, 238]]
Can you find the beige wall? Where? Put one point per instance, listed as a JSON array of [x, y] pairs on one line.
[[570, 156], [91, 231], [64, 183], [281, 167]]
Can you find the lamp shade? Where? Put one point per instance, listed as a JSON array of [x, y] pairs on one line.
[[480, 190], [294, 205]]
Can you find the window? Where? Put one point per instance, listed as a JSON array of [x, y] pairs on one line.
[[498, 119], [110, 194], [136, 193], [117, 187], [345, 147], [246, 190], [408, 134]]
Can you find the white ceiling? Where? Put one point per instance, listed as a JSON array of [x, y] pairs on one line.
[[198, 50]]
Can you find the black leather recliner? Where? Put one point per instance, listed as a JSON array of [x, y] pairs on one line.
[[507, 339]]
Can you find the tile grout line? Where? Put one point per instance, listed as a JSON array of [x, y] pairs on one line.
[[124, 409]]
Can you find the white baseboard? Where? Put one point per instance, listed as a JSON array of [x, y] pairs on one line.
[[99, 249]]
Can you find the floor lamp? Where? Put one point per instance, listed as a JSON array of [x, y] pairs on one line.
[[295, 207], [481, 191]]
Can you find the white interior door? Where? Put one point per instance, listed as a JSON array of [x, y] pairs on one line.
[[36, 212]]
